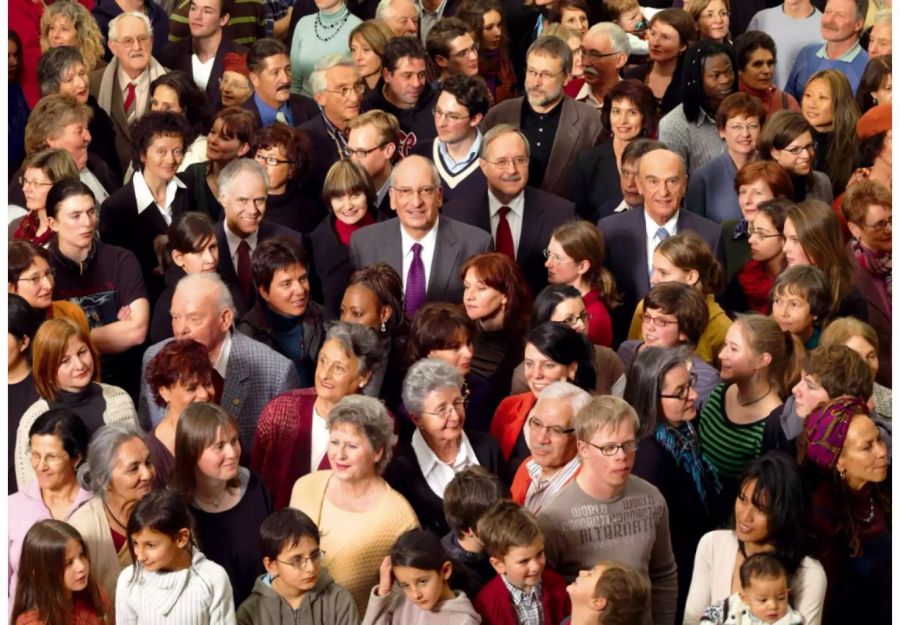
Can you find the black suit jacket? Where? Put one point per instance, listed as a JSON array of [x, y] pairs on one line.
[[543, 213], [177, 55], [303, 108], [625, 235], [330, 265], [324, 149], [596, 188]]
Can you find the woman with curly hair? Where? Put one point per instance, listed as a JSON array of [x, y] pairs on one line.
[[176, 92], [70, 24]]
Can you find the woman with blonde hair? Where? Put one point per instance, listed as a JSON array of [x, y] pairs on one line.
[[70, 24], [862, 338], [367, 43]]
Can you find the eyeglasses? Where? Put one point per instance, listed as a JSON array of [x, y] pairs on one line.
[[684, 393], [611, 449], [556, 259], [743, 127], [300, 562], [49, 276], [796, 150], [464, 53], [129, 42], [458, 405], [879, 226], [345, 92], [272, 161], [657, 322], [453, 117], [26, 182], [503, 163], [533, 73], [537, 426], [50, 459], [596, 55], [361, 152], [708, 15], [406, 193], [761, 234], [573, 320]]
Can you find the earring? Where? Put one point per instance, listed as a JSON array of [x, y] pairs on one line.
[[841, 474], [383, 327], [874, 99]]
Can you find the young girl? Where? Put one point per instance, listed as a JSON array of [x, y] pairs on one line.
[[422, 569], [171, 580], [55, 581]]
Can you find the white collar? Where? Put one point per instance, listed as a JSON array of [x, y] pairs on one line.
[[143, 77], [145, 198], [653, 227], [234, 240], [517, 205], [428, 460], [428, 241], [221, 364]]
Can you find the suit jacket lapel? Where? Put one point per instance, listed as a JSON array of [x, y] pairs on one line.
[[117, 106], [531, 225], [445, 260], [483, 214], [226, 266], [395, 245], [561, 151]]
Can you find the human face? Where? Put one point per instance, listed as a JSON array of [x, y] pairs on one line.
[[665, 44], [808, 394], [443, 416], [522, 566], [132, 472], [195, 315], [415, 197], [792, 312], [235, 88], [273, 82], [678, 384], [36, 187], [452, 120], [626, 119], [794, 253], [222, 148], [340, 108], [361, 305], [759, 70], [713, 21], [506, 166], [74, 81], [883, 95], [160, 552], [77, 567], [763, 245], [664, 270], [74, 138], [661, 181], [483, 302], [403, 18], [205, 18], [368, 63], [35, 284], [349, 208], [182, 393], [767, 597], [575, 19], [660, 329], [741, 134], [571, 312], [540, 370], [718, 79], [459, 356], [75, 222], [562, 268], [839, 23], [350, 453], [796, 164], [817, 105], [880, 40], [296, 568], [737, 361], [165, 99], [219, 461], [612, 472], [162, 158], [369, 150], [863, 458], [492, 30], [133, 45], [628, 180], [288, 293], [581, 591], [244, 203], [203, 260], [337, 373], [750, 195], [281, 172], [549, 446], [875, 230], [424, 588], [544, 80], [462, 57], [76, 369], [866, 350], [406, 82], [62, 33], [751, 524], [53, 467], [12, 61]]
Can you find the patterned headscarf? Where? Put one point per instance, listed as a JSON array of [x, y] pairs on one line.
[[827, 428]]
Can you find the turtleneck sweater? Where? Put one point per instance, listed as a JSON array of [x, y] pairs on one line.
[[89, 404], [317, 35], [288, 333]]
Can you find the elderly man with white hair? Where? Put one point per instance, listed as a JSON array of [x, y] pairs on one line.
[[122, 88], [606, 49], [401, 16]]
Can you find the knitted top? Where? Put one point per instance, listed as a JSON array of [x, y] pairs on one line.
[[317, 35]]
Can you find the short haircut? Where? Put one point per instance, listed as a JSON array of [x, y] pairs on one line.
[[68, 427], [506, 525], [385, 5], [53, 64], [49, 118], [436, 326], [749, 42], [779, 131], [273, 254], [683, 301], [20, 256], [444, 31], [49, 348], [347, 177], [153, 125], [56, 163], [62, 190], [359, 341], [469, 495], [400, 48], [862, 9], [761, 565], [293, 141], [284, 529], [318, 79], [604, 412], [178, 362], [387, 286], [860, 197], [202, 280], [469, 91], [262, 49], [840, 371], [554, 47], [577, 397], [638, 94], [636, 149], [239, 166], [22, 320], [423, 378], [770, 172], [385, 123], [497, 131], [842, 329], [618, 38], [627, 592], [807, 282], [371, 419], [113, 30], [681, 21], [740, 103]]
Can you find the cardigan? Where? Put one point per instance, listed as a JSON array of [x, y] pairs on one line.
[[714, 569], [91, 522], [119, 409], [711, 341], [326, 604], [495, 606]]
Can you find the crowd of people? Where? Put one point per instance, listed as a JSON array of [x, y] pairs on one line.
[[420, 312]]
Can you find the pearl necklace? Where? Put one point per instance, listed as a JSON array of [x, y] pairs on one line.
[[337, 26]]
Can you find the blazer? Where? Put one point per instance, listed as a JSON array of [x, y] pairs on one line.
[[625, 235], [543, 213], [325, 149], [228, 271], [456, 242], [331, 265], [303, 108], [255, 375], [879, 316], [579, 129], [177, 55], [596, 188], [510, 419]]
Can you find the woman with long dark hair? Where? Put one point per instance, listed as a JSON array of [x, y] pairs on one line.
[[485, 18], [787, 139]]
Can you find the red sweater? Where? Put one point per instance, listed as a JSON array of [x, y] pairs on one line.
[[494, 603], [509, 419]]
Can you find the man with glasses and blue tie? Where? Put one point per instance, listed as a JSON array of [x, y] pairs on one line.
[[606, 513]]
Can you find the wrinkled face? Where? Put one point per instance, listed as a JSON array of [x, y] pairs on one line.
[[562, 268], [759, 70], [678, 397], [817, 105], [767, 597], [713, 21], [53, 467], [875, 230], [77, 567], [660, 329], [133, 45], [367, 61], [550, 443], [741, 134], [235, 88], [611, 471], [665, 44], [424, 588], [751, 524], [791, 310], [337, 372], [75, 221], [157, 551], [281, 171], [369, 150], [443, 416], [273, 82], [522, 566], [839, 21], [492, 30], [571, 311], [296, 569], [132, 472], [794, 253], [165, 99], [601, 63], [62, 33], [403, 18], [575, 19], [737, 359], [797, 156], [415, 197], [628, 180], [288, 293], [459, 356], [407, 81], [452, 120], [626, 119], [360, 305], [541, 370], [35, 284], [219, 461], [343, 95], [244, 203], [664, 270], [350, 207], [162, 158], [866, 350], [765, 241], [462, 57], [221, 147], [808, 394], [74, 138], [506, 165], [76, 369], [718, 79], [74, 81], [482, 302], [182, 393], [750, 195], [350, 453], [864, 457], [662, 182], [195, 315], [36, 185], [203, 260], [880, 40], [204, 18], [544, 80]]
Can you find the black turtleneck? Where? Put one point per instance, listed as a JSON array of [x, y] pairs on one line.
[[89, 404]]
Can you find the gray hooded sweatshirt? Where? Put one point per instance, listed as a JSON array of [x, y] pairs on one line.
[[326, 604]]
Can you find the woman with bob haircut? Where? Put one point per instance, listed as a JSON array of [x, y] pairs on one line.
[[41, 171], [367, 42], [176, 92], [787, 139], [485, 19], [756, 58], [228, 502], [30, 277], [769, 516], [66, 369], [861, 338]]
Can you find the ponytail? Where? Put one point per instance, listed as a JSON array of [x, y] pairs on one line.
[[786, 351]]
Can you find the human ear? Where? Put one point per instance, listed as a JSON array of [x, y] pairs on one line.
[[183, 538], [498, 565], [446, 570]]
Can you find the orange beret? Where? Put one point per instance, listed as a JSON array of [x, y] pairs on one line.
[[876, 120]]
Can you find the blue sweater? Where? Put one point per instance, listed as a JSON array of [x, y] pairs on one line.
[[812, 58], [711, 193]]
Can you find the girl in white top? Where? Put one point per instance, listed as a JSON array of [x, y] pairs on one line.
[[171, 582]]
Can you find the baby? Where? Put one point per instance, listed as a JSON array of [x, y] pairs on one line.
[[763, 597]]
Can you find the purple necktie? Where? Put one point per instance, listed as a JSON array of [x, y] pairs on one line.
[[415, 282]]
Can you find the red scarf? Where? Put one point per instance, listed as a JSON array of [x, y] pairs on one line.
[[754, 278], [345, 231], [27, 230]]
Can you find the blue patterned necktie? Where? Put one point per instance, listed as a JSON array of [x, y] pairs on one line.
[[415, 282], [662, 234]]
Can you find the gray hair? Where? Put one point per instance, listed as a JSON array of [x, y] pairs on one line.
[[95, 475], [196, 281], [553, 47], [369, 416], [359, 340], [54, 62], [434, 170], [425, 376], [114, 23], [882, 16], [318, 81], [561, 389], [495, 133], [236, 167], [618, 38], [385, 5]]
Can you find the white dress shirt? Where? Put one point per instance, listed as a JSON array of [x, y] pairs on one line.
[[514, 217], [319, 440], [221, 363], [437, 472], [652, 240], [201, 70], [144, 197], [234, 241], [87, 177], [428, 243]]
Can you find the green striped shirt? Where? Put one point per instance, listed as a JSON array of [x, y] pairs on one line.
[[246, 25], [728, 446]]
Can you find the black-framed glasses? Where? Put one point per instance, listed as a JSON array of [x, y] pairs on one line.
[[685, 392], [362, 152], [761, 234], [796, 150], [611, 449], [300, 562], [573, 320], [879, 226], [537, 426]]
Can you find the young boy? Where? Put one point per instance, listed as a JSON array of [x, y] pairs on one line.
[[296, 588], [467, 497], [611, 593], [800, 303], [763, 597], [523, 591]]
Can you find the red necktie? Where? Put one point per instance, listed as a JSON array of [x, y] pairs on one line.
[[244, 276], [504, 240], [129, 100]]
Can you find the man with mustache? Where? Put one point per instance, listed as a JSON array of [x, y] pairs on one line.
[[606, 51], [556, 126], [520, 218], [270, 74]]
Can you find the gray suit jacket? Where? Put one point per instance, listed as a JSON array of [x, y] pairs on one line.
[[579, 129], [256, 374], [456, 242]]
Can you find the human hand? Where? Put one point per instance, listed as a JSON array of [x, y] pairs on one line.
[[124, 313], [385, 577]]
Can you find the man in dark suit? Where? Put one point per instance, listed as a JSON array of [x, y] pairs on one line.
[[425, 249], [632, 236], [557, 127], [372, 141], [202, 55], [243, 194], [520, 218], [247, 375], [270, 74]]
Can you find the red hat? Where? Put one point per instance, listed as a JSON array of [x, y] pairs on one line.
[[236, 62], [876, 120]]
